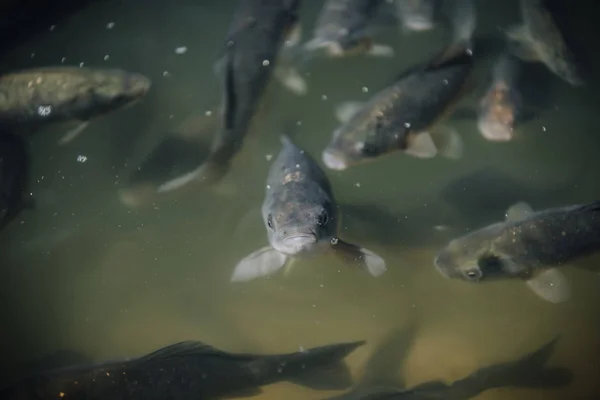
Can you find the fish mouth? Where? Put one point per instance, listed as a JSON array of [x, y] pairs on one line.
[[297, 243], [495, 131], [334, 160]]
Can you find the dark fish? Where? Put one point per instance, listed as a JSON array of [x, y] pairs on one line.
[[189, 370], [301, 218], [403, 116], [173, 163], [343, 28], [418, 15], [14, 177], [44, 95], [526, 372], [259, 33], [540, 39], [528, 245]]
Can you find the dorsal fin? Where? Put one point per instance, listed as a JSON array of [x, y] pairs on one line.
[[182, 349]]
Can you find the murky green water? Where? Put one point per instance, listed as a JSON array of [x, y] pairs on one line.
[[84, 272]]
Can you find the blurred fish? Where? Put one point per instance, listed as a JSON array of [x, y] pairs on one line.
[[540, 39], [479, 195], [403, 116], [528, 245], [342, 29], [418, 15], [189, 370], [173, 163], [526, 372], [381, 369], [255, 47], [56, 94], [301, 218], [14, 177]]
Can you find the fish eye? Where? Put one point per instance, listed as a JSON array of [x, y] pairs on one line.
[[473, 274], [270, 221], [323, 218]]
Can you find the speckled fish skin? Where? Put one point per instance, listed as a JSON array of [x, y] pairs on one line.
[[345, 23], [298, 200], [184, 371], [66, 93], [500, 110], [548, 42], [255, 38], [544, 239], [408, 107], [14, 176]]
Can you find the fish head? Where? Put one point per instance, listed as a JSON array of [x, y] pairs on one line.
[[474, 258], [114, 89], [296, 228], [498, 113], [360, 139]]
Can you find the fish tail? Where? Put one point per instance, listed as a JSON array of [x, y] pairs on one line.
[[320, 368], [463, 20], [527, 372]]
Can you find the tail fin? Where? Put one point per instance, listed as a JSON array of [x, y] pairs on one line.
[[463, 20], [320, 368], [527, 372]]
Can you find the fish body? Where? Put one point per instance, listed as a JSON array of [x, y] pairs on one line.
[[14, 177], [418, 15], [501, 108], [251, 55], [53, 94], [400, 117], [300, 215], [343, 28], [186, 370], [541, 40], [528, 245]]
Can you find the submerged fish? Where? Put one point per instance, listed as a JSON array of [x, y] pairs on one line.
[[189, 370], [418, 15], [38, 96], [403, 116], [526, 372], [300, 215], [342, 29], [501, 108], [528, 245], [540, 39], [258, 36], [14, 177]]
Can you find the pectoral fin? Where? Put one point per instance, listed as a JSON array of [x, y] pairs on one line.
[[73, 133], [448, 142], [294, 37], [520, 44], [421, 145], [351, 253], [347, 110], [550, 285], [291, 79], [381, 50], [263, 262]]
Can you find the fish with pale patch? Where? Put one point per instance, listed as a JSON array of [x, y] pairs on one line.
[[301, 218], [529, 245], [36, 97]]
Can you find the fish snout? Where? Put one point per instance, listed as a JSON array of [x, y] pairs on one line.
[[138, 85], [334, 160], [442, 264], [494, 130]]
